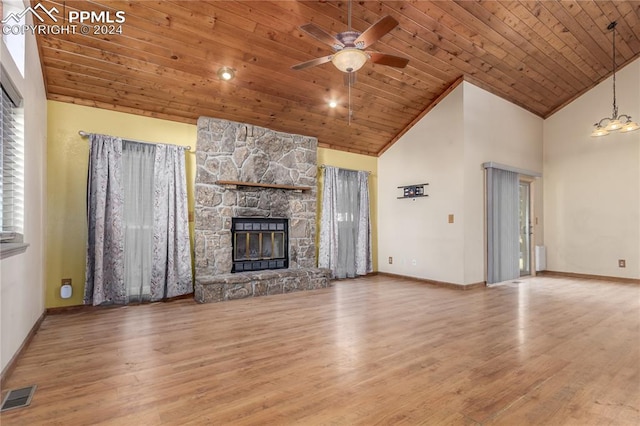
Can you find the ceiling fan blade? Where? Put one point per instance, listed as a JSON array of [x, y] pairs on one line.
[[376, 31], [320, 34], [312, 63], [390, 60]]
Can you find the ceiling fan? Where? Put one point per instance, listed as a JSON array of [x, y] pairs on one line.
[[348, 46]]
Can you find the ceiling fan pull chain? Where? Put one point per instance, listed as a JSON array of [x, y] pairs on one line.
[[350, 112]]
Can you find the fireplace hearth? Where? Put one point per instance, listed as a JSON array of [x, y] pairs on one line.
[[259, 243]]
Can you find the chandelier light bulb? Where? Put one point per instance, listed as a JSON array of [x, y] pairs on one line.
[[629, 126], [613, 125], [599, 131]]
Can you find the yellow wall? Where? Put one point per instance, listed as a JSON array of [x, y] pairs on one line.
[[349, 160], [67, 164]]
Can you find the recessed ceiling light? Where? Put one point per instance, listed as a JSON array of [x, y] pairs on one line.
[[226, 73], [333, 104]]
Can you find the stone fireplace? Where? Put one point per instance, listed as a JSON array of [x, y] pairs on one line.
[[249, 178]]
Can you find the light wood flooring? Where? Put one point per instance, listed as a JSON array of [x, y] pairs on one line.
[[375, 350]]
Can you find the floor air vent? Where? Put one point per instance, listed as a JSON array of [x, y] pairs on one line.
[[18, 398]]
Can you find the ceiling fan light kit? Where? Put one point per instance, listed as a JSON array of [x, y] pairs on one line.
[[616, 123], [349, 59]]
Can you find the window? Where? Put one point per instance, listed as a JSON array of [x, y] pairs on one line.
[[14, 40], [12, 154]]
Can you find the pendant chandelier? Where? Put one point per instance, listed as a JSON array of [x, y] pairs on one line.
[[615, 123]]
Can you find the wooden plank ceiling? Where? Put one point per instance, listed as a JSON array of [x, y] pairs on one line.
[[537, 54]]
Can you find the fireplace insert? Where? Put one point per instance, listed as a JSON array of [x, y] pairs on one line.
[[259, 243]]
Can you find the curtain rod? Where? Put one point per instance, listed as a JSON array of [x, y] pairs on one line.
[[86, 135], [350, 170]]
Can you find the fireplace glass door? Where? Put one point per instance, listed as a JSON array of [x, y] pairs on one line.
[[259, 244]]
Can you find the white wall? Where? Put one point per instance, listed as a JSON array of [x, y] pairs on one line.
[[447, 148], [21, 276], [431, 151], [592, 185]]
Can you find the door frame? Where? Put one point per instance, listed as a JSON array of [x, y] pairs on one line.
[[532, 219]]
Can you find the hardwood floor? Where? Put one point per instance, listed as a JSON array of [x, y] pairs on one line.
[[376, 350]]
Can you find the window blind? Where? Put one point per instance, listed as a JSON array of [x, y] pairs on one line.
[[12, 182], [503, 230]]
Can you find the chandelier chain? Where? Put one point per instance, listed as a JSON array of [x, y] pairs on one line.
[[615, 104]]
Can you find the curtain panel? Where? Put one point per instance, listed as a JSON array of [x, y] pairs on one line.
[[171, 274], [345, 225], [104, 282]]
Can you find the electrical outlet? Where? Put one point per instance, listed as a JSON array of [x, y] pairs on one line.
[[450, 218], [66, 281], [390, 260], [414, 262], [622, 263]]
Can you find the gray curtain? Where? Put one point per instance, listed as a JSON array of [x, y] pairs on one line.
[[138, 246], [138, 182], [171, 275], [104, 282], [503, 247], [345, 225]]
